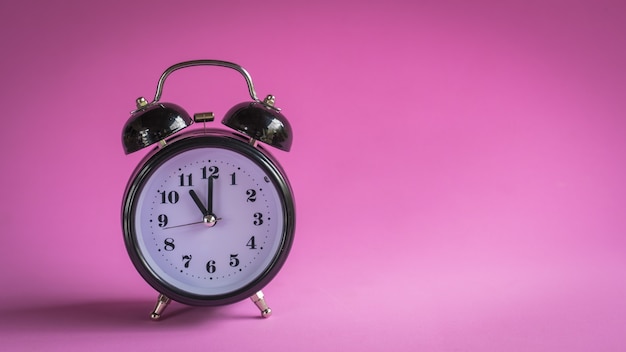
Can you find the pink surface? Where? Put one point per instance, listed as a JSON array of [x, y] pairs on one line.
[[458, 166]]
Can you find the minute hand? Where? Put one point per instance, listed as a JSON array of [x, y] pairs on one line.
[[209, 204]]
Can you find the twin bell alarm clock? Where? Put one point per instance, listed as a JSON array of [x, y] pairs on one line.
[[208, 215]]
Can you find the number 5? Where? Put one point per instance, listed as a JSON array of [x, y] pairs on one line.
[[233, 260]]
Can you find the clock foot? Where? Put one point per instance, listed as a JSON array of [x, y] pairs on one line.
[[161, 304], [259, 301]]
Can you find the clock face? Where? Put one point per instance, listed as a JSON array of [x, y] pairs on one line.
[[208, 221]]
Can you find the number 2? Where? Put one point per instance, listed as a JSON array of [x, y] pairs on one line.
[[251, 196]]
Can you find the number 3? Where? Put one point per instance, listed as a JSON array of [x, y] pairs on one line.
[[258, 219]]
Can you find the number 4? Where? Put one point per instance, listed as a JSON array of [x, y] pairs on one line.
[[251, 244]]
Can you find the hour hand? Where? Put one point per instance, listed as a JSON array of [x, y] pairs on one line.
[[198, 202]]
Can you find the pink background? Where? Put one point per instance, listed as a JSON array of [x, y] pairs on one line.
[[459, 169]]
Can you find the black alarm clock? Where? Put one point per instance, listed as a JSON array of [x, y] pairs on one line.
[[208, 215]]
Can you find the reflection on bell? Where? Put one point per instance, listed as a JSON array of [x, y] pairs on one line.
[[260, 121], [151, 123]]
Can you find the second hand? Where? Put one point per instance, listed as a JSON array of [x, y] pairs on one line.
[[175, 226], [208, 220]]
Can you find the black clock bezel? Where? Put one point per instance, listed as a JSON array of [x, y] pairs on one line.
[[202, 139]]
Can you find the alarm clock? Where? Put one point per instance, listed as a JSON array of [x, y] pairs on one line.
[[208, 215]]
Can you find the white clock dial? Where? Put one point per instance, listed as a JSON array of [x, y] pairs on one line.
[[208, 221]]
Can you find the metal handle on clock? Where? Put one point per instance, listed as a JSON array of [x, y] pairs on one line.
[[184, 64]]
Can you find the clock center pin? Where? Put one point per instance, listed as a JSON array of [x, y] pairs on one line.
[[210, 220]]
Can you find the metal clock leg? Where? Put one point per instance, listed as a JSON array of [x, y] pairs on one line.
[[259, 301], [161, 304]]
